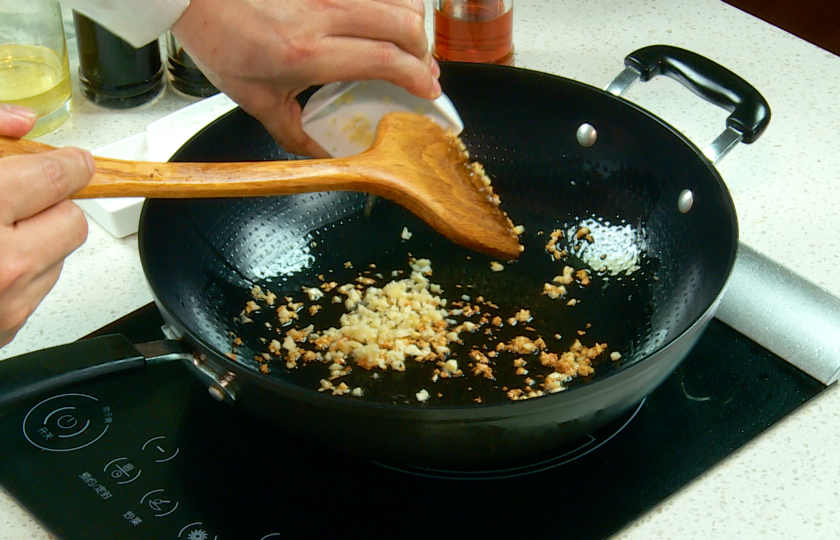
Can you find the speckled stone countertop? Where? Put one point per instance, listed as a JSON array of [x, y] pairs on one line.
[[785, 483]]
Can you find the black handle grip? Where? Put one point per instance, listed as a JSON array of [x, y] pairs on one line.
[[711, 81], [39, 373]]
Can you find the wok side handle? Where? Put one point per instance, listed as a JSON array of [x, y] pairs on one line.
[[711, 81], [39, 373]]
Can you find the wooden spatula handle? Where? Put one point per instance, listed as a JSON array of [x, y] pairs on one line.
[[121, 178], [412, 161]]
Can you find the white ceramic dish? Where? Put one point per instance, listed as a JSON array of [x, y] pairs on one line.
[[343, 116], [120, 216]]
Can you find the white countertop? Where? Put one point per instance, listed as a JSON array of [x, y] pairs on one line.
[[786, 186]]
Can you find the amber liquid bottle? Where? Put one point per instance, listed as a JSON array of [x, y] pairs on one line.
[[112, 73], [474, 31]]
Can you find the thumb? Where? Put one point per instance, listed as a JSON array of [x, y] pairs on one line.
[[16, 121]]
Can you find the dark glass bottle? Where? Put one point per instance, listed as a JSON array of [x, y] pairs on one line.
[[112, 73], [184, 75]]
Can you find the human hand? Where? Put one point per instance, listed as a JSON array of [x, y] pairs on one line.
[[39, 226], [263, 54]]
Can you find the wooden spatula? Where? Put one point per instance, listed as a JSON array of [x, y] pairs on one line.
[[412, 161]]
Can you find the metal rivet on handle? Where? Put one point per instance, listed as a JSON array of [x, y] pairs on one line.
[[685, 201], [217, 393], [586, 135]]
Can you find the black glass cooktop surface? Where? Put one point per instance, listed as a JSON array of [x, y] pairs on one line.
[[153, 456]]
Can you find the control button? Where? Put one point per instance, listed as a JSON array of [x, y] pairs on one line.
[[197, 531], [158, 447], [66, 422], [159, 502], [122, 470]]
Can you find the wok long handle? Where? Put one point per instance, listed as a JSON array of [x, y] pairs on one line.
[[750, 111], [123, 178], [37, 374]]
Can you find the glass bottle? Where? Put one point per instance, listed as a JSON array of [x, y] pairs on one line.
[[34, 66], [474, 31], [112, 73], [184, 75]]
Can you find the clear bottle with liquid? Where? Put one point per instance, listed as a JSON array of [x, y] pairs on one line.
[[34, 66]]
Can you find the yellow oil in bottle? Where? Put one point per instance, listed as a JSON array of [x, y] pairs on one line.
[[38, 78]]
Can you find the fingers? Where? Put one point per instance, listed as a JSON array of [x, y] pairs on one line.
[[19, 304], [45, 239], [381, 31], [435, 67], [16, 121], [34, 245], [33, 253], [39, 227], [282, 121], [401, 22], [32, 183], [338, 60], [416, 5], [285, 127], [274, 50]]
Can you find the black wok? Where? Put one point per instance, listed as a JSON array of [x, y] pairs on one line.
[[637, 181]]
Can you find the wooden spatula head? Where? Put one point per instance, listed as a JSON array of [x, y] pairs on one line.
[[432, 176]]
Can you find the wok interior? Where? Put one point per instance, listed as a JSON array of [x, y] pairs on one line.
[[203, 256]]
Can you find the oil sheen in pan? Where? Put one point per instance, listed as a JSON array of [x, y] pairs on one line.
[[460, 273]]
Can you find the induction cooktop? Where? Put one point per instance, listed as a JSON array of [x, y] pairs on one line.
[[153, 456]]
